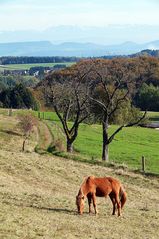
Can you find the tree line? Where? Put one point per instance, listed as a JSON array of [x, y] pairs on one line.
[[30, 60]]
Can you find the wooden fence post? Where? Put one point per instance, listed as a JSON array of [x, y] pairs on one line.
[[10, 112], [143, 164]]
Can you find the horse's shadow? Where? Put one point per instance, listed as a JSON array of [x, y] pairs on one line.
[[60, 210]]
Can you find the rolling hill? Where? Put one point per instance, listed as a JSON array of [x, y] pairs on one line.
[[147, 52]]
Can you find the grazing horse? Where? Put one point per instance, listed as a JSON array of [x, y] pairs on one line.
[[101, 187]]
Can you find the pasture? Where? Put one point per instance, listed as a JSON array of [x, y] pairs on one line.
[[126, 150], [37, 196]]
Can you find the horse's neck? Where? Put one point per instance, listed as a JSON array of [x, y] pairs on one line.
[[83, 190]]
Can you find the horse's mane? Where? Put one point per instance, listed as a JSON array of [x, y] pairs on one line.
[[84, 183], [81, 187]]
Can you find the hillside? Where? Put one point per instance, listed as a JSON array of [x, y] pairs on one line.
[[147, 52], [37, 198]]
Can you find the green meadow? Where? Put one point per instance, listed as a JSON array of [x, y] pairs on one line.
[[28, 66], [153, 116], [127, 148]]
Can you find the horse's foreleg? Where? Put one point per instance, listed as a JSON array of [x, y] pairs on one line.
[[90, 203], [94, 203]]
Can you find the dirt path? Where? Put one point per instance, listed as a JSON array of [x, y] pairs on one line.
[[44, 136]]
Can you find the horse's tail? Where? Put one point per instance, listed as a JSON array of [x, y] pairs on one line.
[[123, 196]]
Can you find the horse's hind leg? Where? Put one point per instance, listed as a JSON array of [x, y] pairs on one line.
[[118, 204], [90, 202], [113, 202]]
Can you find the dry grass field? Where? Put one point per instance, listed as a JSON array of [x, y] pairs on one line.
[[37, 196]]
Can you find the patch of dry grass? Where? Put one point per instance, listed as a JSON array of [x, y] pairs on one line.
[[37, 198]]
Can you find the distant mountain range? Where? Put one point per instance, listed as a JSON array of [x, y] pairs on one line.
[[46, 48], [104, 35]]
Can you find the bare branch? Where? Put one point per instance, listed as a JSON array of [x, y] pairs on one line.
[[118, 102], [102, 105], [127, 125]]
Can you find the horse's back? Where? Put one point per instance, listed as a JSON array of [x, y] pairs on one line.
[[100, 186], [103, 186]]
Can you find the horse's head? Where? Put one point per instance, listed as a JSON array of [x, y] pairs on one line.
[[80, 203]]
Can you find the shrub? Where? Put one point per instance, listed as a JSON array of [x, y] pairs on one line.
[[57, 145]]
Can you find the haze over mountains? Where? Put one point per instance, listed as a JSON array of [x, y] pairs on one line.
[[79, 41], [46, 48], [107, 35]]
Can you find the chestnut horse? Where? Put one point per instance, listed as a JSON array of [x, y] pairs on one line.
[[101, 187]]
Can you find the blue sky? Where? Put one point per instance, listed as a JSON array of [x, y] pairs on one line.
[[42, 14]]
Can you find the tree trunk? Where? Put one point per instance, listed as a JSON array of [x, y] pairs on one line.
[[71, 139], [69, 146], [105, 151]]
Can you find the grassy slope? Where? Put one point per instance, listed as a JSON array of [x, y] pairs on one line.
[[37, 197], [128, 147]]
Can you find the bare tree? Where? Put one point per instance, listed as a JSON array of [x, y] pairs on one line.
[[27, 123], [67, 92], [114, 82]]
